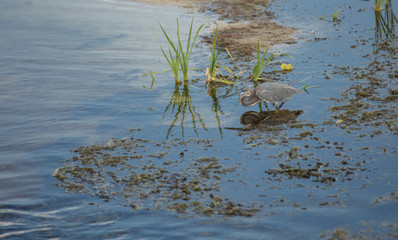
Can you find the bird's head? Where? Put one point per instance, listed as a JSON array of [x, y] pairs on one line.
[[247, 93], [248, 98]]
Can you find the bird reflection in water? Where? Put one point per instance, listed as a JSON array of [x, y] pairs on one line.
[[264, 119]]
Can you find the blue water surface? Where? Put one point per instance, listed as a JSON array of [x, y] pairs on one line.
[[71, 76]]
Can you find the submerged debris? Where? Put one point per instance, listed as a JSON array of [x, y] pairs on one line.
[[371, 101], [144, 180]]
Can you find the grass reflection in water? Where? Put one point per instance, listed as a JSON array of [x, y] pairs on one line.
[[180, 104]]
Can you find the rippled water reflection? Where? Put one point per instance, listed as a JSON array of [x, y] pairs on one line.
[[71, 76]]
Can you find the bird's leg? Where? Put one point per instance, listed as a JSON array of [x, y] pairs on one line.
[[281, 105]]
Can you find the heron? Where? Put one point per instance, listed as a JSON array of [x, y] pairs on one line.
[[272, 92]]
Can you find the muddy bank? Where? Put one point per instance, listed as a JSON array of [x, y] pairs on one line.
[[243, 23]]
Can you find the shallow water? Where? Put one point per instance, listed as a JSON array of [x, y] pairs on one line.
[[71, 76]]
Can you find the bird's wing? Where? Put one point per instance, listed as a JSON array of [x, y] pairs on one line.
[[275, 92]]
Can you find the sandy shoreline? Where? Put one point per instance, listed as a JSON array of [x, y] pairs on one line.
[[247, 22]]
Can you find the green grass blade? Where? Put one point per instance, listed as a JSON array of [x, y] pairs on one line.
[[269, 59], [189, 39], [168, 39], [214, 56], [233, 60], [223, 81], [258, 51], [196, 36], [221, 65], [150, 72]]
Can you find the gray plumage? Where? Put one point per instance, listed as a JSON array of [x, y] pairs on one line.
[[272, 92]]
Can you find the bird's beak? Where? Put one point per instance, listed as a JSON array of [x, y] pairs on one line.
[[247, 93]]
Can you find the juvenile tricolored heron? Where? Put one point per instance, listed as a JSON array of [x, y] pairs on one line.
[[272, 92]]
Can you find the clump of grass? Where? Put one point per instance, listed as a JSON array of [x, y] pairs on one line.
[[213, 69], [213, 57], [174, 62], [261, 62], [178, 56], [334, 16], [181, 56]]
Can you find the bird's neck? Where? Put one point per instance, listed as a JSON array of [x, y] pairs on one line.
[[250, 100]]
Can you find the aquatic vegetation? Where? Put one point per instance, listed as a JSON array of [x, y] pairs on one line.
[[213, 69], [153, 80], [306, 86], [178, 59], [185, 56], [334, 16], [339, 121], [143, 175], [365, 230], [179, 56], [261, 62], [174, 62], [369, 106], [298, 172], [287, 67]]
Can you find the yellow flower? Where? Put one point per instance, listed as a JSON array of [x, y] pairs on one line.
[[286, 67], [339, 121]]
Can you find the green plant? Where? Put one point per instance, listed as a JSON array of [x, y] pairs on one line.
[[182, 55], [178, 57], [214, 57], [153, 80], [261, 62], [213, 69], [174, 62], [306, 86], [379, 5], [334, 16]]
